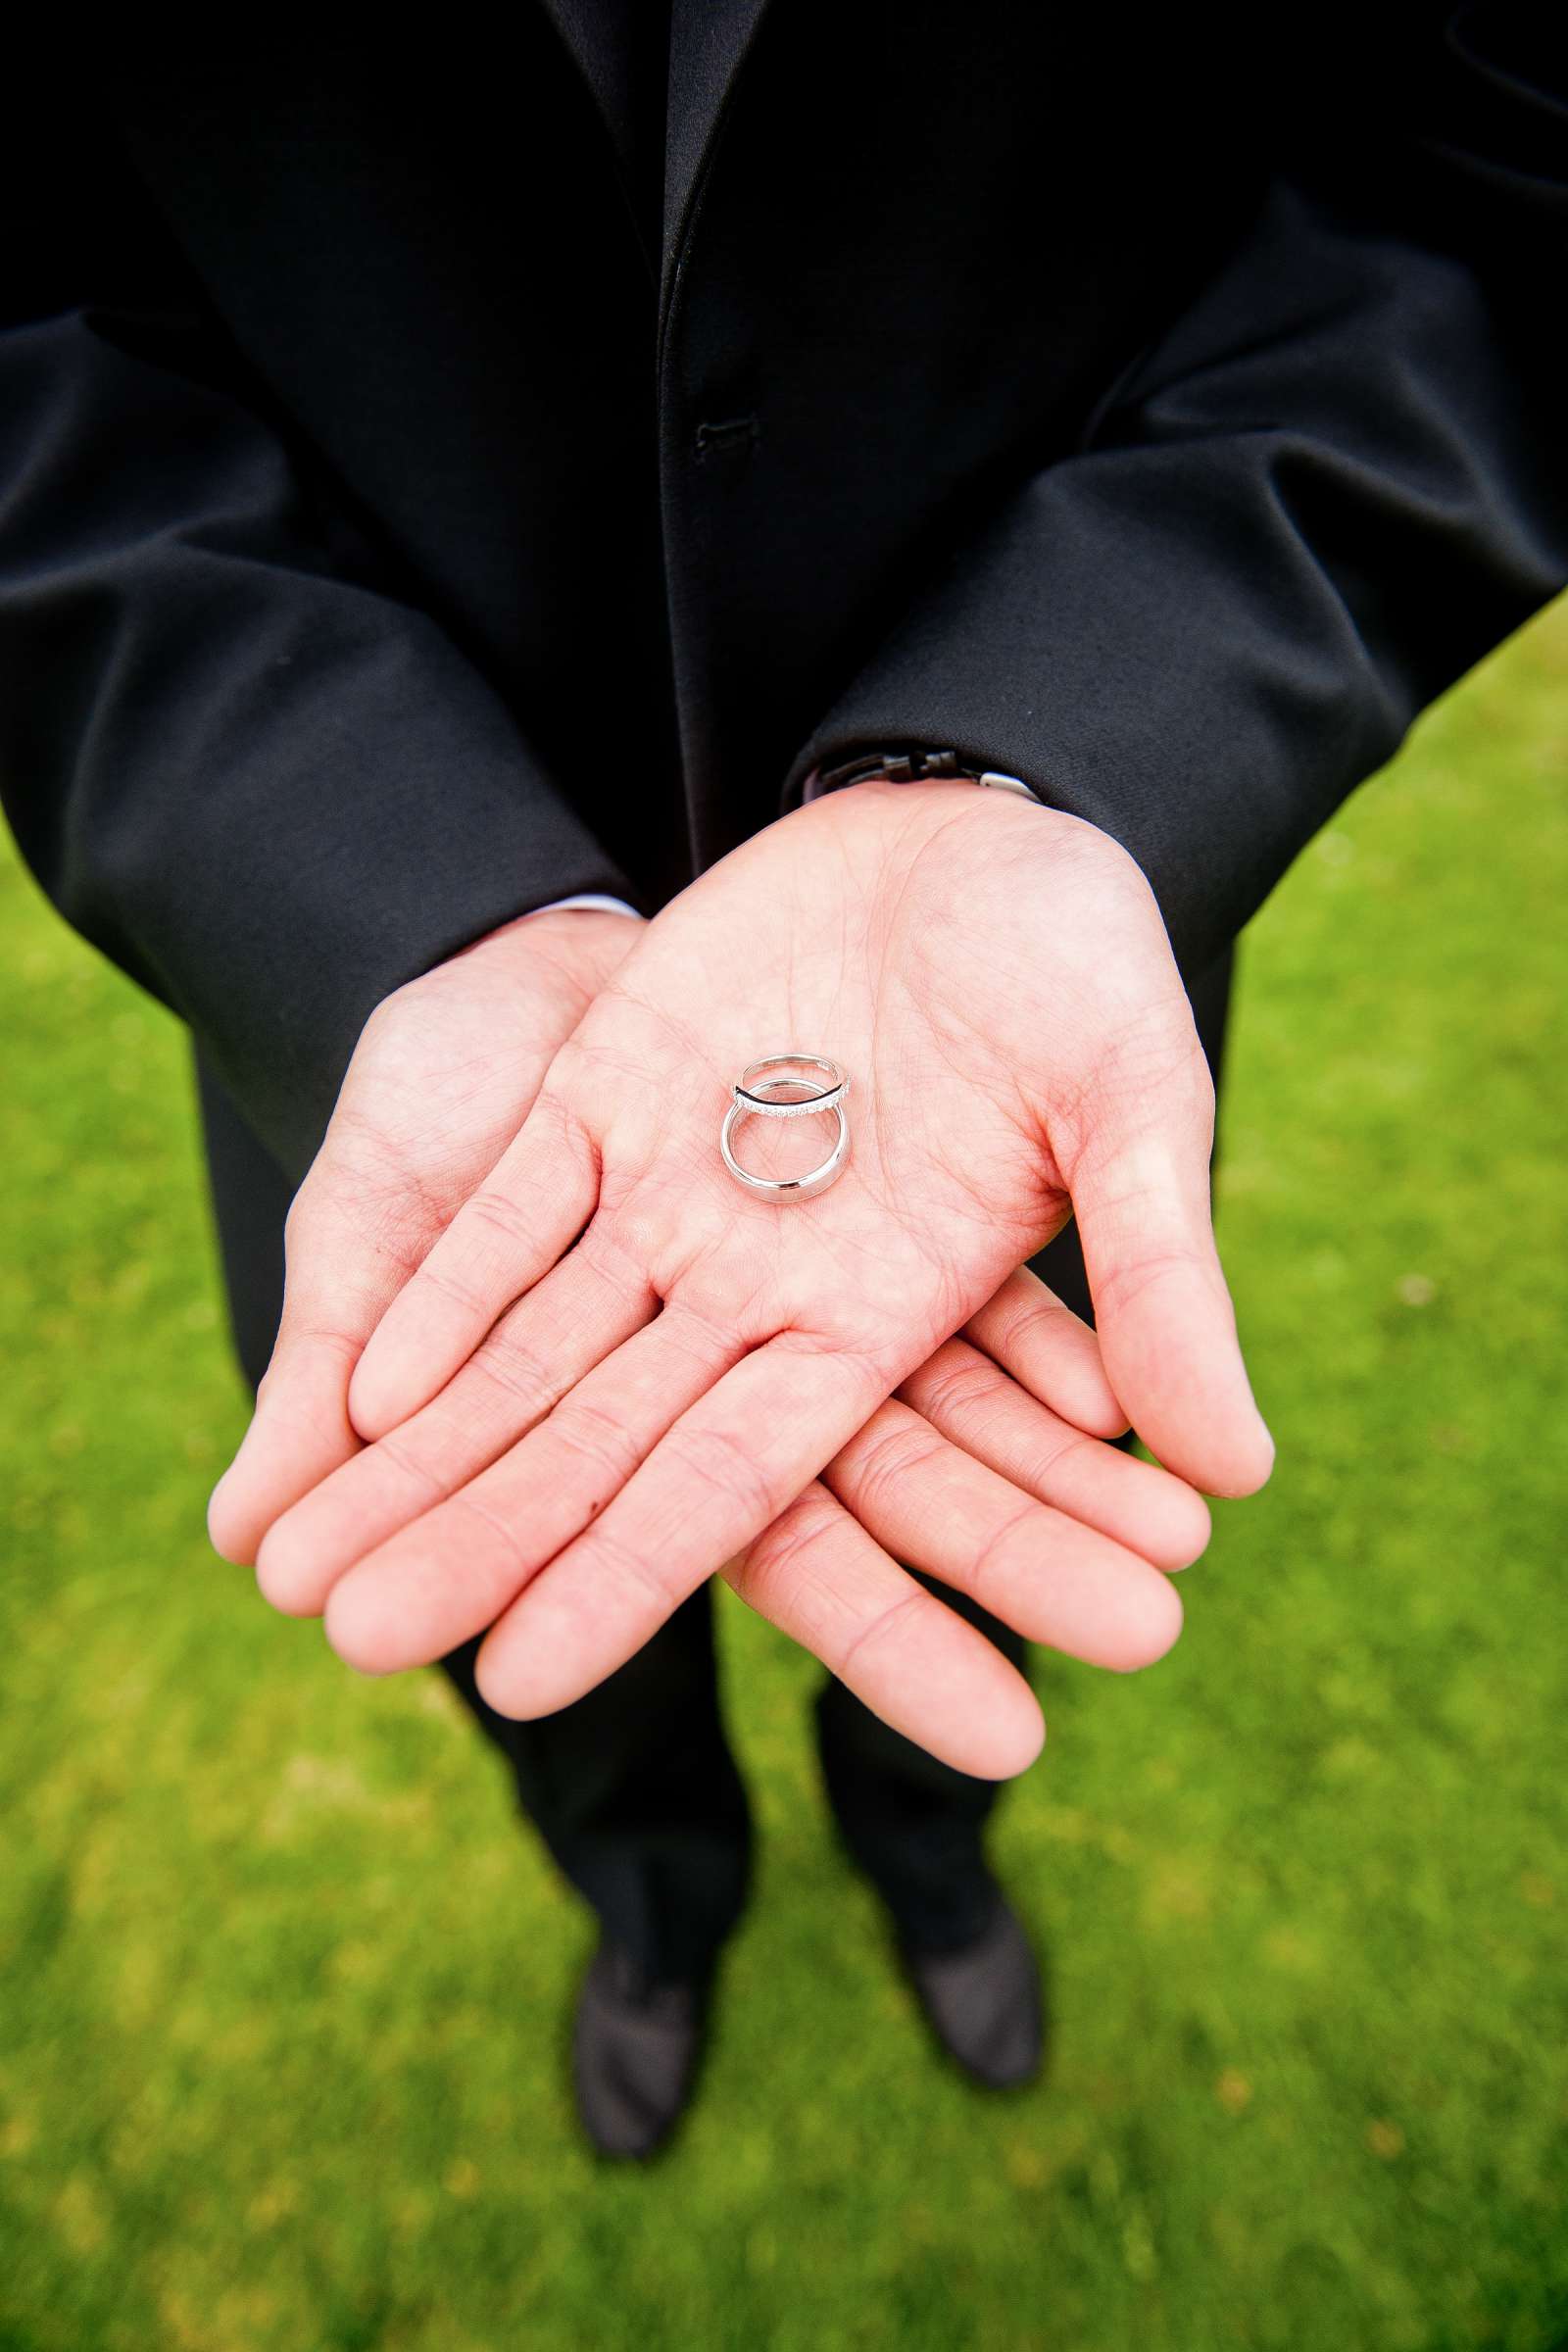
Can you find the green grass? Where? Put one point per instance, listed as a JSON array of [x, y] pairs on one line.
[[281, 2061]]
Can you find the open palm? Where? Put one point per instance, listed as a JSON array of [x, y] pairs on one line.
[[996, 979]]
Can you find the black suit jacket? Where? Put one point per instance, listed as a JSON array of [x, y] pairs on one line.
[[400, 527]]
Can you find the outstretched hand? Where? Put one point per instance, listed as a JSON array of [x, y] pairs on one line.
[[682, 1358], [444, 1075]]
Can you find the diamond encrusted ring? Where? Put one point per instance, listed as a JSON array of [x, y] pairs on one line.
[[757, 1091]]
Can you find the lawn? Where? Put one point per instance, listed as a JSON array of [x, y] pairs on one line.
[[280, 2057]]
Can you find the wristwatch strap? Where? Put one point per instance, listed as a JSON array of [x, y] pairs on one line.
[[918, 765]]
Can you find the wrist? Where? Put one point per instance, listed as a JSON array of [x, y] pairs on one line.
[[591, 940], [909, 774], [586, 942]]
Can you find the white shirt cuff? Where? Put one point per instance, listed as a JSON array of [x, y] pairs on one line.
[[589, 898]]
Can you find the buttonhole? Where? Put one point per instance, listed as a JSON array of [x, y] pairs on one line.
[[727, 433]]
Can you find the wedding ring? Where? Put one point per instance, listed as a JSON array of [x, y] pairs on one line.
[[756, 1094], [754, 1097]]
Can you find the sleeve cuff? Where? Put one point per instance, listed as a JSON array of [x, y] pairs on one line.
[[598, 898]]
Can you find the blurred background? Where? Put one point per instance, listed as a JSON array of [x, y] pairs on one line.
[[282, 2052]]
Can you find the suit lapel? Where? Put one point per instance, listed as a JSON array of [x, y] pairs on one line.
[[708, 41]]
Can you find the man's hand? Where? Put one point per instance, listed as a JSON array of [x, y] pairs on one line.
[[996, 978], [444, 1075], [967, 1473]]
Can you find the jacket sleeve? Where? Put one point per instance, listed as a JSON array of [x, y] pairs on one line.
[[262, 784], [1316, 498]]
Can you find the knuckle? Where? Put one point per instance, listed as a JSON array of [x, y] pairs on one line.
[[1124, 1283], [1029, 1319], [439, 1278], [997, 1546], [329, 1340], [874, 1632], [466, 1505], [793, 1539], [726, 1466], [497, 1212], [599, 1440], [894, 1445], [290, 1358], [633, 1570], [397, 1450], [1149, 1072], [1055, 1443], [957, 1382], [516, 1371]]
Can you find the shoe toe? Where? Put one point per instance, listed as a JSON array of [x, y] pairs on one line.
[[634, 2058], [985, 2006]]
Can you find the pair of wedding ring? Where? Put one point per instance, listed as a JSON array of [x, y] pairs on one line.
[[757, 1094]]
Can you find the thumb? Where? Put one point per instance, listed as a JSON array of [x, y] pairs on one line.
[[1140, 1186], [337, 1285]]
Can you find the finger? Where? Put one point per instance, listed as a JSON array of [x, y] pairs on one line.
[[718, 1477], [1052, 1350], [504, 1238], [451, 1573], [337, 1284], [817, 1575], [974, 1403], [582, 1311], [1166, 1326], [1050, 1578]]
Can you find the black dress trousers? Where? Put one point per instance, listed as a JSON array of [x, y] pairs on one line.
[[633, 1789]]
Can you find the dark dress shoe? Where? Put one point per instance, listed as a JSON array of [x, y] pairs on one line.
[[984, 2001], [635, 2048]]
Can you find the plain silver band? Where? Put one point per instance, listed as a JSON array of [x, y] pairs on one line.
[[754, 1097], [789, 1188]]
